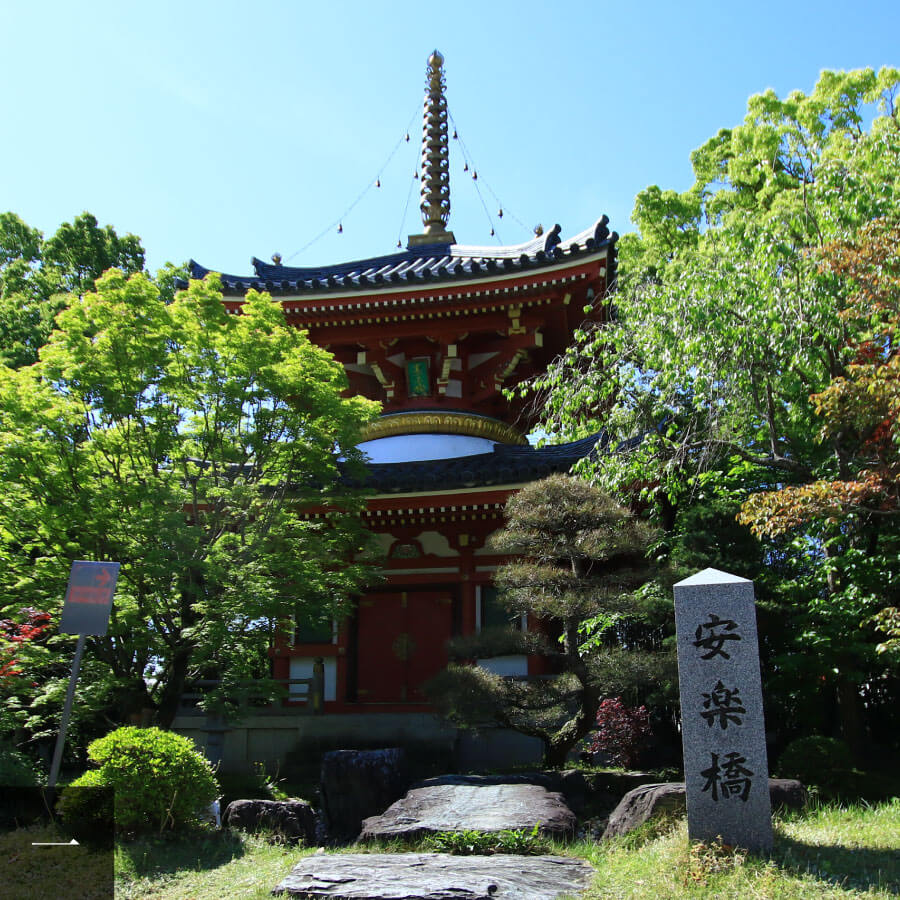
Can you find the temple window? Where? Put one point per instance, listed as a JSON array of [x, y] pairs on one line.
[[491, 613], [314, 631]]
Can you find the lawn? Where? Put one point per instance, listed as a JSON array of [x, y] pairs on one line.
[[828, 851]]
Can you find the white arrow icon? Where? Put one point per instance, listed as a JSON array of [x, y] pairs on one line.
[[72, 843]]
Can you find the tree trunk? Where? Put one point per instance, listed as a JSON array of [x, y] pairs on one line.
[[173, 688], [556, 754], [131, 700], [668, 512], [557, 747]]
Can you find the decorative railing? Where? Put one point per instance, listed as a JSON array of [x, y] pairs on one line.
[[310, 692]]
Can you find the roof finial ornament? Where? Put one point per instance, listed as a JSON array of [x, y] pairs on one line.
[[435, 164]]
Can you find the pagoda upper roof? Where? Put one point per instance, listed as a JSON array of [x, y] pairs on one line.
[[421, 264], [507, 464]]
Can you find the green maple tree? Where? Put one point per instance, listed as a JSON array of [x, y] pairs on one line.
[[189, 444], [37, 275]]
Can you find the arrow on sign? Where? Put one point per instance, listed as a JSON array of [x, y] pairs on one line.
[[72, 843], [103, 577]]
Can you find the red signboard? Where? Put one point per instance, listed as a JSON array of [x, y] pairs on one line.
[[89, 597]]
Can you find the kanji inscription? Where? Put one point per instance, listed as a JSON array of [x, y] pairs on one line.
[[723, 706], [727, 778], [712, 636]]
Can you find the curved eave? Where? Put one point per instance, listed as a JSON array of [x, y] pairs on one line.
[[506, 465], [425, 266]]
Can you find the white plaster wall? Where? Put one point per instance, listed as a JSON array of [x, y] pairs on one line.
[[302, 667], [383, 541], [433, 542], [505, 665], [412, 447], [476, 359]]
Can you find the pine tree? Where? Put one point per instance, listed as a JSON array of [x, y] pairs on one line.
[[581, 557]]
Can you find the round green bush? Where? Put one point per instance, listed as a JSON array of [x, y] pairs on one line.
[[161, 781], [815, 760]]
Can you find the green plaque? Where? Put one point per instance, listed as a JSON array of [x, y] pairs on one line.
[[419, 384]]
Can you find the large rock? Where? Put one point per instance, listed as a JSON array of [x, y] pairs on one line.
[[475, 807], [787, 793], [581, 791], [641, 804], [570, 783], [356, 784], [435, 876], [291, 820]]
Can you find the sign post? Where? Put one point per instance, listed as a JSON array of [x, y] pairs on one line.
[[85, 611], [723, 736]]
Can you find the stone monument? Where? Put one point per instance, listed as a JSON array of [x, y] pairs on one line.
[[726, 770]]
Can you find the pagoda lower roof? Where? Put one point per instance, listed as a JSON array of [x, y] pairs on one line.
[[507, 464], [421, 265]]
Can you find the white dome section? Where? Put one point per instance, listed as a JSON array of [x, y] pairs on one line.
[[402, 448]]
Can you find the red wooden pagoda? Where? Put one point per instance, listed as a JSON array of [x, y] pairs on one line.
[[435, 333]]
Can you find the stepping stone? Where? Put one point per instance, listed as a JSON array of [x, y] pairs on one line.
[[435, 876], [475, 807]]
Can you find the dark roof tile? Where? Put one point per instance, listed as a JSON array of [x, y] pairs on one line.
[[506, 464], [430, 262]]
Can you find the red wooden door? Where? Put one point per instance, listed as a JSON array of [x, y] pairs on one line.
[[402, 641]]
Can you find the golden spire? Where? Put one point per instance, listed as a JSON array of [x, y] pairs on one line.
[[435, 165]]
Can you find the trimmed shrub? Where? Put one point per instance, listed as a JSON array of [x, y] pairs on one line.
[[816, 760], [161, 781]]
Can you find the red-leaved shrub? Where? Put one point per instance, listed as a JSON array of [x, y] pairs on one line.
[[621, 730]]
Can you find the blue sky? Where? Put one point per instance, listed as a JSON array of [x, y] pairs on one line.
[[223, 130]]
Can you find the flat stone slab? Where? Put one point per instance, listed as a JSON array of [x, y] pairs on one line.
[[475, 807], [435, 876]]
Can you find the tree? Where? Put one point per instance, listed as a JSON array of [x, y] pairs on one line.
[[860, 409], [583, 556], [81, 251], [726, 333], [723, 322], [850, 506], [36, 275], [190, 445]]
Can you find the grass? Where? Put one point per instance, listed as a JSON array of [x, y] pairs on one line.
[[36, 873], [202, 866], [828, 851]]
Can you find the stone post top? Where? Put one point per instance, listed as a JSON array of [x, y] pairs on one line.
[[712, 576]]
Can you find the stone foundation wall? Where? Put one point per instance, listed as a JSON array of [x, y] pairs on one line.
[[274, 740]]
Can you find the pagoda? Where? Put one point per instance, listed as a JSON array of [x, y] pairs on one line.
[[436, 332]]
